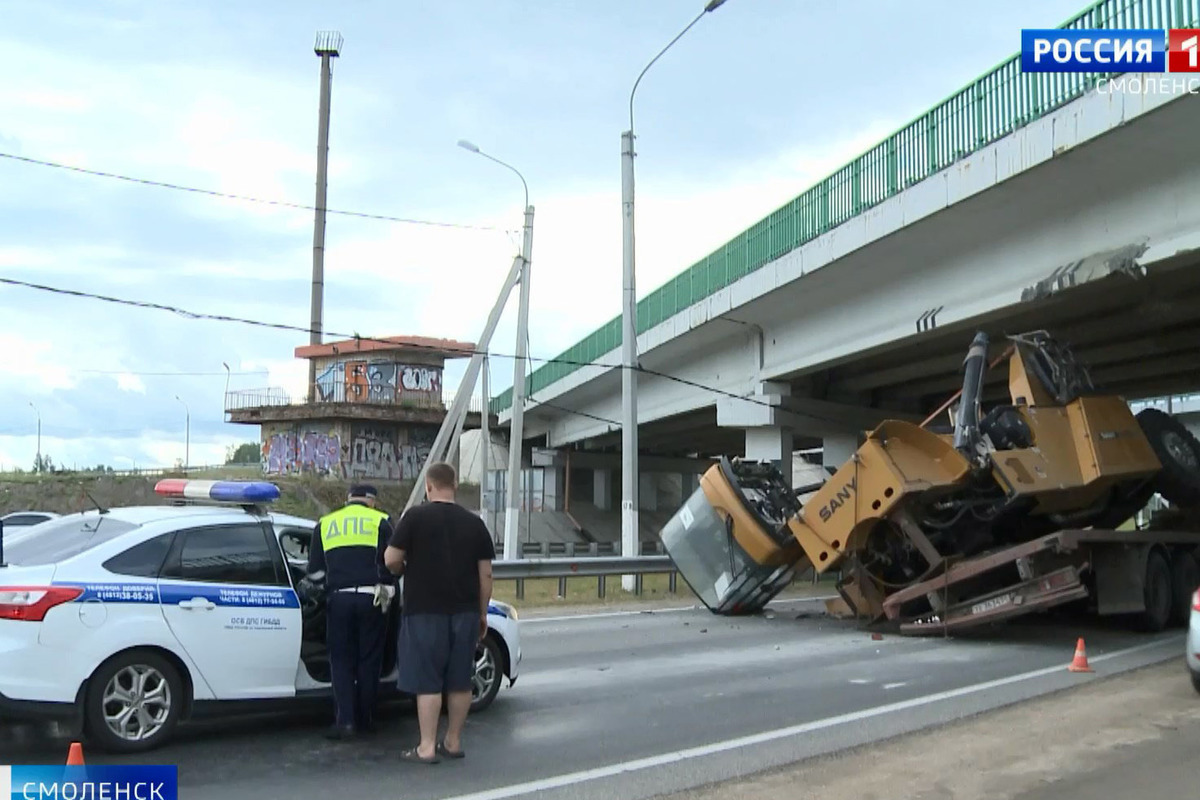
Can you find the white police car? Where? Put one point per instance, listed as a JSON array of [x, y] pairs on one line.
[[130, 620]]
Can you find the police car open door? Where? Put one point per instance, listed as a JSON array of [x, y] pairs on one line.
[[227, 597]]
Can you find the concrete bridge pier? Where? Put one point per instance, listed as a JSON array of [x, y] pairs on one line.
[[602, 488], [836, 448]]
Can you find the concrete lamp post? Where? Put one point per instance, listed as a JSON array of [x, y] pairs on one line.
[[512, 512], [629, 362]]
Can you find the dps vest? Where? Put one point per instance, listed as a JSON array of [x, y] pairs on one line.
[[351, 526]]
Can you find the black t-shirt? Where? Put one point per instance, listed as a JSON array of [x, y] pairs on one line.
[[443, 544]]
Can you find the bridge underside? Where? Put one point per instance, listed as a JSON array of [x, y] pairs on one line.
[[1140, 337]]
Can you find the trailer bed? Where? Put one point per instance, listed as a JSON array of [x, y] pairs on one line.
[[1034, 576]]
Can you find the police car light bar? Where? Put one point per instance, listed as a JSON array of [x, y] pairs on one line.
[[219, 491]]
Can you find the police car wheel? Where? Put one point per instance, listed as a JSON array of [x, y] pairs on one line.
[[489, 674], [133, 702]]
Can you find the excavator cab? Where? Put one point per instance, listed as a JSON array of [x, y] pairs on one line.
[[731, 540]]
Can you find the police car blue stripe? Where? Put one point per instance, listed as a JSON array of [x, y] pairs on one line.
[[499, 612], [168, 593]]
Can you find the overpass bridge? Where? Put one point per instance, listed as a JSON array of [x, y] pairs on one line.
[[1067, 202]]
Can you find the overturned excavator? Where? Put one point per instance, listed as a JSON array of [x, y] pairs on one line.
[[914, 501]]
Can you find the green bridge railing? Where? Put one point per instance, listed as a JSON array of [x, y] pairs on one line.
[[990, 108]]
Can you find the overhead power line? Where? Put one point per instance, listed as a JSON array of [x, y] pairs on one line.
[[301, 329], [227, 196]]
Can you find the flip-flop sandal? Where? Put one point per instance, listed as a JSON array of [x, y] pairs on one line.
[[411, 755], [443, 751]]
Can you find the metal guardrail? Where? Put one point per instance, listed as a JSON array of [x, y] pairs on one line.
[[599, 567], [986, 110], [571, 549], [341, 392]]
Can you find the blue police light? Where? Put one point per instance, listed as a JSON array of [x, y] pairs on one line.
[[219, 491]]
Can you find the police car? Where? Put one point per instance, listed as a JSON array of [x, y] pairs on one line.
[[130, 620]]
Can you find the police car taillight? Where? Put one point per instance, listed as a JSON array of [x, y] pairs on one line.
[[30, 603], [219, 491]]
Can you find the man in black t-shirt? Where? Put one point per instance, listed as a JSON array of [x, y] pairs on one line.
[[445, 554]]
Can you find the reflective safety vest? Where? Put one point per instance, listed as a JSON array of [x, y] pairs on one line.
[[351, 526]]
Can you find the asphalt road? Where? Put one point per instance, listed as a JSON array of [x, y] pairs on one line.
[[633, 705]]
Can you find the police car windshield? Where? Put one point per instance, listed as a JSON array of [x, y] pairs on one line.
[[60, 539]]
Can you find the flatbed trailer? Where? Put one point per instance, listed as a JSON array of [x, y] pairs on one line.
[[1149, 575]]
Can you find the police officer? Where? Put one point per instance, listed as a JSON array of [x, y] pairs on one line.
[[348, 547]]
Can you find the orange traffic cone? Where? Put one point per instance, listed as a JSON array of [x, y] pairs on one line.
[[1080, 663], [75, 755]]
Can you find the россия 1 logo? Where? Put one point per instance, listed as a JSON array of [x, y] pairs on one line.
[[1126, 50]]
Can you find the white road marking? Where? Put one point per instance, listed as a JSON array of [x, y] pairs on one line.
[[895, 685], [669, 610], [570, 779], [859, 680]]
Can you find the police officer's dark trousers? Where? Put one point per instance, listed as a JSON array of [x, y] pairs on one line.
[[355, 633]]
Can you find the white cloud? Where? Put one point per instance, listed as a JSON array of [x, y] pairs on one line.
[[128, 382], [30, 362]]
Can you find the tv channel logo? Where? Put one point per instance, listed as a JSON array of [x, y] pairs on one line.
[[1128, 50], [79, 782], [1184, 50]]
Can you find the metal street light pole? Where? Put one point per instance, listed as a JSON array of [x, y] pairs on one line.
[[512, 513], [485, 436], [38, 463], [629, 362], [187, 435], [328, 46]]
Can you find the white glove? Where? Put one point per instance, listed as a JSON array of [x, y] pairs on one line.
[[383, 596]]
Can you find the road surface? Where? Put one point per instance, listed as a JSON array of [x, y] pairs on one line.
[[637, 704]]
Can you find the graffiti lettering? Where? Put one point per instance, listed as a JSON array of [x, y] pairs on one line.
[[291, 453], [421, 379], [379, 452]]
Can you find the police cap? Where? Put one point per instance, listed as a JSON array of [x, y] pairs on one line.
[[363, 490]]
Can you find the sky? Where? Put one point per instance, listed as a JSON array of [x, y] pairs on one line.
[[761, 99]]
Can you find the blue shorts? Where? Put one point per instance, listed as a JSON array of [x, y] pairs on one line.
[[437, 652]]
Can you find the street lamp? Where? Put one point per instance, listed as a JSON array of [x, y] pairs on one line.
[[629, 433], [187, 435], [512, 512], [38, 463]]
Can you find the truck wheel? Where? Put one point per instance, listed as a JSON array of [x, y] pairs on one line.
[[1160, 601], [1179, 452], [1185, 577]]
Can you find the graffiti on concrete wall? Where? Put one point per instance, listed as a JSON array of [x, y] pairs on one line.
[[421, 379], [377, 381], [382, 452], [415, 450], [381, 378], [289, 453], [373, 453]]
